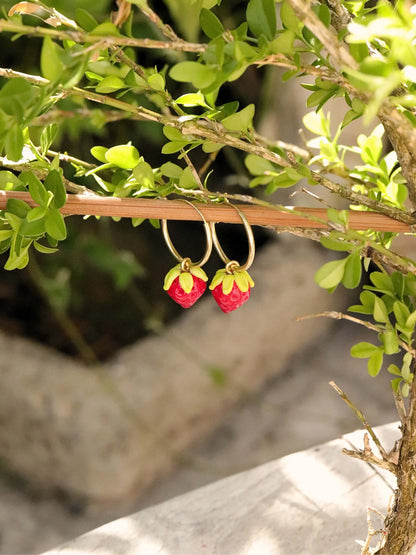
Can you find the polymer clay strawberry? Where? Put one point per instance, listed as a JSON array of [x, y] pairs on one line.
[[231, 287], [185, 283]]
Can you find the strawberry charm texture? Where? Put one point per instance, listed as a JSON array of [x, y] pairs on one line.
[[231, 287], [185, 283]]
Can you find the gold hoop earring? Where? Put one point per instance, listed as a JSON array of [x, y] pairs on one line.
[[231, 286], [187, 281]]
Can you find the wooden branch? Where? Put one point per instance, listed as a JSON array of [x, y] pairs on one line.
[[314, 218]]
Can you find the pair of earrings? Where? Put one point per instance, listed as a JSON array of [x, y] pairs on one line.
[[187, 281]]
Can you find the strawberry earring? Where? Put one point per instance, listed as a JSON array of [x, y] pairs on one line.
[[231, 286], [187, 281]]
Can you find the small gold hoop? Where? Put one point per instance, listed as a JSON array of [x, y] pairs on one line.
[[186, 262], [230, 264]]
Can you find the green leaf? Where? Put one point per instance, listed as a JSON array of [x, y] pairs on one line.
[[192, 99], [53, 183], [390, 342], [173, 146], [51, 64], [210, 24], [375, 362], [382, 281], [380, 311], [144, 174], [199, 75], [363, 350], [156, 81], [261, 18], [289, 19], [240, 121], [14, 143], [352, 272], [38, 191], [171, 170], [110, 84], [335, 244], [99, 153], [43, 248], [187, 179], [283, 44], [257, 165], [55, 224], [36, 213], [32, 228], [85, 19], [17, 261], [401, 313], [48, 136], [123, 156], [18, 207], [9, 181], [330, 274]]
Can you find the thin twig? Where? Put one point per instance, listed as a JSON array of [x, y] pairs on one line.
[[341, 316], [359, 414], [81, 37]]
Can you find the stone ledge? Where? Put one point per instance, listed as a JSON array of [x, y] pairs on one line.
[[309, 503]]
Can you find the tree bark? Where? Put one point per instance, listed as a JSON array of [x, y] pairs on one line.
[[401, 520]]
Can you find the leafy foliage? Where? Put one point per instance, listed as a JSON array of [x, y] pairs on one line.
[[91, 69]]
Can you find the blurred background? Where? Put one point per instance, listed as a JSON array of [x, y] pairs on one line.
[[252, 386]]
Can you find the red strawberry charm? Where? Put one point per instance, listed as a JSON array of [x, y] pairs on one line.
[[231, 287], [185, 283]]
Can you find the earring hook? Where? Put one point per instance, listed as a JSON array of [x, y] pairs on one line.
[[208, 234], [251, 244]]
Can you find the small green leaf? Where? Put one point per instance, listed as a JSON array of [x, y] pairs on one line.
[[363, 350], [257, 165], [18, 207], [171, 276], [330, 274], [187, 179], [55, 225], [156, 81], [283, 44], [375, 362], [43, 248], [99, 153], [380, 312], [395, 384], [171, 170], [210, 24], [240, 121], [54, 184], [390, 342], [144, 174], [261, 18], [14, 143], [289, 19], [401, 313], [123, 156], [110, 84], [199, 75], [51, 64], [9, 181], [36, 213], [335, 244], [242, 281], [48, 136], [192, 99], [352, 272], [38, 191]]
